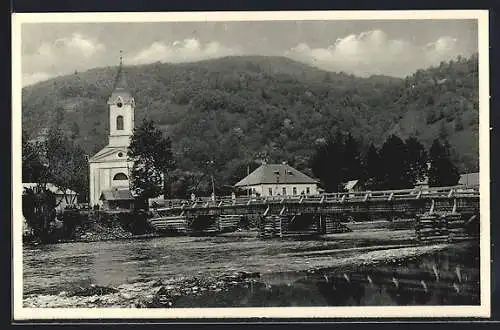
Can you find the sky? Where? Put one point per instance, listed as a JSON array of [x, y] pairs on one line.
[[360, 47]]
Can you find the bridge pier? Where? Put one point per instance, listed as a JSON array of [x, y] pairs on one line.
[[440, 226]]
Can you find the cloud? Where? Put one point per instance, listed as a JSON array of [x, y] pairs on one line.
[[62, 56], [373, 52], [187, 50]]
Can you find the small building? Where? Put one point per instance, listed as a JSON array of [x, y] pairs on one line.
[[469, 179], [110, 167], [354, 186], [278, 179], [63, 198], [113, 199], [422, 184]]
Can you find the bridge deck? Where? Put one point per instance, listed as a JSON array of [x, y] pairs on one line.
[[408, 200]]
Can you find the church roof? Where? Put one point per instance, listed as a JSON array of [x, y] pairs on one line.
[[121, 79], [106, 151], [120, 87], [275, 173]]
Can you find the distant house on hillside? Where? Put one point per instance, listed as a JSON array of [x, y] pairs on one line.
[[63, 198], [469, 179], [278, 179]]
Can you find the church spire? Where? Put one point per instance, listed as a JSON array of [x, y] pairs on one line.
[[121, 93], [121, 79]]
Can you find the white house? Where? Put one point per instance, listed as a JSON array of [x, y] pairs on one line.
[[63, 198], [278, 179], [110, 167]]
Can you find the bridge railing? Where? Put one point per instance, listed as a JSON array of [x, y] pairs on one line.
[[361, 196]]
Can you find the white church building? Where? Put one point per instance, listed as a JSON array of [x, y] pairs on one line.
[[110, 168]]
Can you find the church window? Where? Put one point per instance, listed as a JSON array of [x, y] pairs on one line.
[[120, 176], [119, 123]]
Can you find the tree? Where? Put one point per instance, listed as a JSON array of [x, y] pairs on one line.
[[59, 116], [33, 169], [393, 154], [39, 211], [417, 160], [373, 168], [326, 163], [75, 131], [442, 131], [151, 153], [351, 159], [442, 171], [67, 163], [459, 125]]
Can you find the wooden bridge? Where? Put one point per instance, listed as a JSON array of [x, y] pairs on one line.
[[320, 214]]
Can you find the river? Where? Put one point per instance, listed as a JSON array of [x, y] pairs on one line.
[[383, 268]]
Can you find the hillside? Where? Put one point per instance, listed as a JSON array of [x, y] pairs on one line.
[[237, 109]]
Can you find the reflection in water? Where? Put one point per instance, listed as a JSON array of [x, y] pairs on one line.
[[450, 277], [428, 280]]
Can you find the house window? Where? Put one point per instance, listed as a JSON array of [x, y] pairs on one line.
[[120, 177], [284, 190], [270, 191], [119, 123], [308, 190], [295, 190]]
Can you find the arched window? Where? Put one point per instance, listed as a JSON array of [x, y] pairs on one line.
[[119, 123], [120, 176]]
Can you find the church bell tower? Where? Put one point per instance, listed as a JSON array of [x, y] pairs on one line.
[[121, 111]]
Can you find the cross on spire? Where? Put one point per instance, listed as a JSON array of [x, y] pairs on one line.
[[121, 57]]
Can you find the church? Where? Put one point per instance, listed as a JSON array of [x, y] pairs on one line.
[[110, 168]]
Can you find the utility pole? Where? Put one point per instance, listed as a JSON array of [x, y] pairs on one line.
[[211, 163], [248, 173], [213, 185]]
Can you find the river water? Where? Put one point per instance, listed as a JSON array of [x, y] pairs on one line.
[[346, 271]]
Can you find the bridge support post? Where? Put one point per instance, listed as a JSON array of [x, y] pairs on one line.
[[322, 224]]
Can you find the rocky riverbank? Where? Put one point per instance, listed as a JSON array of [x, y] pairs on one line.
[[179, 291]]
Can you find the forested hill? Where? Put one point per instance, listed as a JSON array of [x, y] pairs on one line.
[[235, 109]]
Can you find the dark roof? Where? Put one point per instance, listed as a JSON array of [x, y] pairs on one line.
[[121, 80], [351, 184], [116, 195], [469, 179], [275, 173], [121, 88]]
